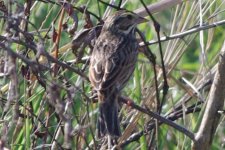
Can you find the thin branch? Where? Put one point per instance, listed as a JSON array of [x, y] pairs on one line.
[[136, 136], [151, 57], [113, 6], [158, 117], [185, 33], [49, 57], [165, 83], [29, 62]]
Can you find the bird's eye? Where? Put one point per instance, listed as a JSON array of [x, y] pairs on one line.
[[129, 17]]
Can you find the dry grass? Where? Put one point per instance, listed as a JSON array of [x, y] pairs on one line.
[[45, 92]]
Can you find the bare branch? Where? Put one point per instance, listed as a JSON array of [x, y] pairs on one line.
[[158, 117], [185, 33], [211, 117]]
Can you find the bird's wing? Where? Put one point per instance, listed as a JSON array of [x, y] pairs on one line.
[[118, 64], [96, 71], [110, 63], [113, 68], [105, 66]]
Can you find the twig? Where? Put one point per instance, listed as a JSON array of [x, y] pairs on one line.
[[151, 57], [158, 117], [136, 136], [113, 6], [185, 33], [49, 57], [165, 84], [24, 59]]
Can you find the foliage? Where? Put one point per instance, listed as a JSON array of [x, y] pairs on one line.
[[48, 104]]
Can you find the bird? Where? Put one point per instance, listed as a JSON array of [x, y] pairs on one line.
[[112, 63]]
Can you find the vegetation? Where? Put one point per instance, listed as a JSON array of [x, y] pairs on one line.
[[46, 101]]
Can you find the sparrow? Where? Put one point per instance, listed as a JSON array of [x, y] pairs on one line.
[[112, 63]]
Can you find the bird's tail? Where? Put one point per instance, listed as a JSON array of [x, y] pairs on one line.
[[108, 122]]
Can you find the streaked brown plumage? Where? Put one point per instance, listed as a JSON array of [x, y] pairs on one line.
[[112, 63]]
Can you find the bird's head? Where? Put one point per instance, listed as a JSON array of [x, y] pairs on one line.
[[123, 22]]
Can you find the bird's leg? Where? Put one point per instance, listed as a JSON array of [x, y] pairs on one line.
[[94, 96], [109, 142], [112, 142]]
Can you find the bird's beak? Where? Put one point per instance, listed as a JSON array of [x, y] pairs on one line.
[[140, 20]]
